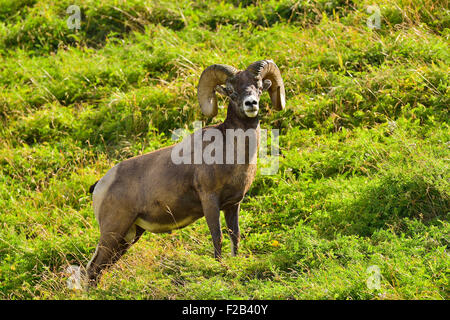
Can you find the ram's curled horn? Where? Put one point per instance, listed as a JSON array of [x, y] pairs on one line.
[[267, 69], [216, 74]]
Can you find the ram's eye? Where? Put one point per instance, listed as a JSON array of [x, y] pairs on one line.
[[230, 89], [233, 96]]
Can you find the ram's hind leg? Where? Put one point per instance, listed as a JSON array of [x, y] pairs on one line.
[[116, 236]]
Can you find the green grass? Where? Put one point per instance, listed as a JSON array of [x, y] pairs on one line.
[[364, 172]]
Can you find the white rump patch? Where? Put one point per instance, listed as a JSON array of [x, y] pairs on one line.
[[101, 188]]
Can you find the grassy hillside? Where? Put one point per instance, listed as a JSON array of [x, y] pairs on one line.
[[364, 172]]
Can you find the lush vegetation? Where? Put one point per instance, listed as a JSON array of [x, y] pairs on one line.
[[364, 173]]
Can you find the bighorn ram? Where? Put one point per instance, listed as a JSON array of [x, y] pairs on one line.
[[151, 192]]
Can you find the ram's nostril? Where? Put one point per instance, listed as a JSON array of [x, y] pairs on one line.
[[254, 102], [248, 103]]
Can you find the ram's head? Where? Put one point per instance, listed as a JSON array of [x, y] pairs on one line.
[[243, 88]]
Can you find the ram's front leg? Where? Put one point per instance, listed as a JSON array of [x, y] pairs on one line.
[[232, 220], [211, 211]]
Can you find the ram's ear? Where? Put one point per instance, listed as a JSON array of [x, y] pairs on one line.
[[222, 90], [266, 84]]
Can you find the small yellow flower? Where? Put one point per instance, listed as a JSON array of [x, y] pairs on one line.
[[275, 243], [13, 267]]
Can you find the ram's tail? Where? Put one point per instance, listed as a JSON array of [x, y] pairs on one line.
[[91, 188]]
